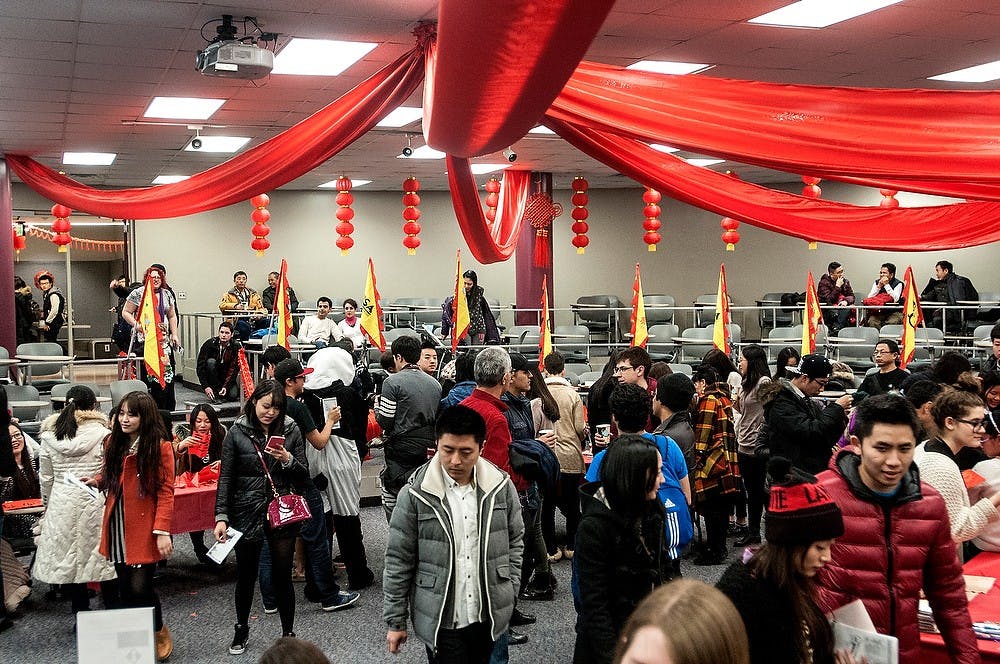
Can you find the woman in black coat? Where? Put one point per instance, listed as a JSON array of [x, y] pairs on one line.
[[620, 546], [244, 494]]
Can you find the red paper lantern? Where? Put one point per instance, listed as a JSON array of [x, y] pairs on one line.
[[411, 242], [61, 227], [260, 216], [652, 213], [19, 241], [411, 213], [492, 186], [888, 198], [731, 237], [580, 214], [344, 214], [811, 190]]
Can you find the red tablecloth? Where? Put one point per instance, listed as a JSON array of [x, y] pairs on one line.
[[194, 509], [983, 608]]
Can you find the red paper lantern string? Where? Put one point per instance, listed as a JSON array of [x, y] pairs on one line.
[[651, 198], [61, 226], [492, 188], [411, 214], [580, 214], [260, 216], [888, 198], [344, 215], [731, 235], [811, 190]]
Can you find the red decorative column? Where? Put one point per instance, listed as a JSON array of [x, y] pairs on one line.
[[8, 330], [528, 276]]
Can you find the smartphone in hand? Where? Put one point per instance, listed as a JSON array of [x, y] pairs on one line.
[[275, 443]]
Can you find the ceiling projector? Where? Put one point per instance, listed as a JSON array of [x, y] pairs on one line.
[[234, 59]]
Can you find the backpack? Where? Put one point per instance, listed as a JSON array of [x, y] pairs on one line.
[[535, 461]]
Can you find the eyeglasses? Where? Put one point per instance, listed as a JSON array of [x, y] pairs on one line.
[[16, 437], [975, 424], [882, 352], [622, 368]]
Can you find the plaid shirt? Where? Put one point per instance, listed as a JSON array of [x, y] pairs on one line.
[[716, 470]]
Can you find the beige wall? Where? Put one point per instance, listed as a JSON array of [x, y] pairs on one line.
[[201, 252]]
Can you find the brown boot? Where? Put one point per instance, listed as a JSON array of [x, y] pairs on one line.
[[164, 644]]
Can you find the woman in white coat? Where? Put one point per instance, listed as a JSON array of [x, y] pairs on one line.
[[72, 444]]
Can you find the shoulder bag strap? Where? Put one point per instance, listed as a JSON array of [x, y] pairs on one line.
[[264, 464]]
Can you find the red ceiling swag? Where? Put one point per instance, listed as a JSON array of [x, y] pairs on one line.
[[489, 241], [271, 164], [924, 135], [498, 64], [900, 229]]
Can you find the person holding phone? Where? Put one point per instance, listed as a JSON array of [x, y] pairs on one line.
[[244, 494], [198, 443]]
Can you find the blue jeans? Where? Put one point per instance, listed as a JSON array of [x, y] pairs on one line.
[[318, 563], [501, 650]]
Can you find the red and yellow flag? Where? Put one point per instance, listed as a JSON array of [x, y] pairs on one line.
[[152, 348], [282, 307], [640, 334], [372, 325], [459, 306], [812, 316], [912, 317], [544, 334], [720, 329]]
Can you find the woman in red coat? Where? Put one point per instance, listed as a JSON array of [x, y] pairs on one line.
[[138, 477]]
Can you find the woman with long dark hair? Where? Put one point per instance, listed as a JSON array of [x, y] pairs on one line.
[[598, 413], [753, 468], [21, 485], [166, 306], [620, 553], [482, 323], [198, 443], [773, 591], [138, 478], [72, 444], [244, 495], [787, 357]]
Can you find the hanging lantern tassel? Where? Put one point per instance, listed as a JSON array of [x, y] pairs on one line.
[[651, 198], [344, 215], [888, 198], [61, 227], [411, 214], [260, 216], [731, 236], [492, 188], [580, 214]]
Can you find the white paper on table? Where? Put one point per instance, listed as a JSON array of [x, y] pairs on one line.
[[73, 481], [119, 635], [854, 614], [220, 550], [329, 403]]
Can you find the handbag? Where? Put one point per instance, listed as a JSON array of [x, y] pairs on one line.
[[287, 508]]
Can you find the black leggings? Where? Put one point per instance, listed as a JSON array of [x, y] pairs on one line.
[[567, 499], [754, 469], [135, 586], [79, 595], [247, 564]]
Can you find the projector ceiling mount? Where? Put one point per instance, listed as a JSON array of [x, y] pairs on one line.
[[231, 55]]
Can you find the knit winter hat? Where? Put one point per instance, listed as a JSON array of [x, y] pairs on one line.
[[801, 511]]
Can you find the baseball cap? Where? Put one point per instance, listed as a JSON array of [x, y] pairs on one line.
[[518, 362], [290, 368], [812, 365]]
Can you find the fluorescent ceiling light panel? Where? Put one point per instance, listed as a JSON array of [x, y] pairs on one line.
[[332, 184], [319, 57], [401, 116], [423, 152], [701, 161], [819, 13], [482, 169], [541, 129], [89, 158], [978, 74], [663, 148], [668, 67], [183, 108], [218, 144], [169, 179]]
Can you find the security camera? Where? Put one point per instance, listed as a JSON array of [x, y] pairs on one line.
[[196, 143], [407, 151], [510, 155]]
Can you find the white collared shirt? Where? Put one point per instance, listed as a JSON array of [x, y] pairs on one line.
[[461, 502]]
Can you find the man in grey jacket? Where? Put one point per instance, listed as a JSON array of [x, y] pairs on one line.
[[453, 560]]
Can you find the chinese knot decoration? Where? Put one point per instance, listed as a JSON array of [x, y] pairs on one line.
[[344, 215], [260, 216], [61, 226], [888, 198], [580, 214], [811, 190], [540, 211], [731, 236], [411, 199], [492, 188], [651, 198], [19, 241]]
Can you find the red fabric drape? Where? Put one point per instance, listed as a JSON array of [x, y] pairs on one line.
[[899, 229], [499, 65], [922, 135], [271, 164], [490, 242]]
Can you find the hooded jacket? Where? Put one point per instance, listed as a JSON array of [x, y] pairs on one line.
[[419, 557], [71, 530], [891, 549], [798, 428]]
